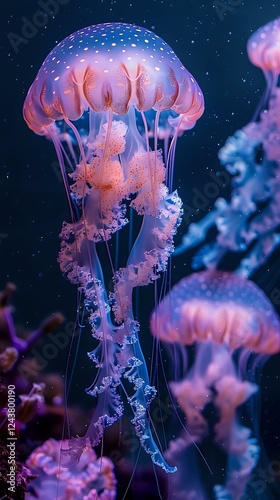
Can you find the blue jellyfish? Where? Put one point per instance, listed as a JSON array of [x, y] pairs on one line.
[[249, 222], [123, 86]]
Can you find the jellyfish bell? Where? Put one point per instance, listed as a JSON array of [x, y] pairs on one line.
[[111, 66], [218, 306], [122, 85], [263, 47]]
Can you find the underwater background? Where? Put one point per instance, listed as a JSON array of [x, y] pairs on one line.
[[210, 39]]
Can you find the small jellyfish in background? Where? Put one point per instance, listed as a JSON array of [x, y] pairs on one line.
[[227, 318], [263, 48], [249, 222], [123, 86]]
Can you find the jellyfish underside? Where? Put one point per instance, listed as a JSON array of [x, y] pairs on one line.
[[213, 383], [124, 101]]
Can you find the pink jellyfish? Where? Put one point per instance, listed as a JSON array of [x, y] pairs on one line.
[[92, 479], [263, 48], [122, 85], [219, 312]]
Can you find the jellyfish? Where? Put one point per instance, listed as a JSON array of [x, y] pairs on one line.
[[249, 222], [227, 318], [93, 478], [121, 85], [263, 48]]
